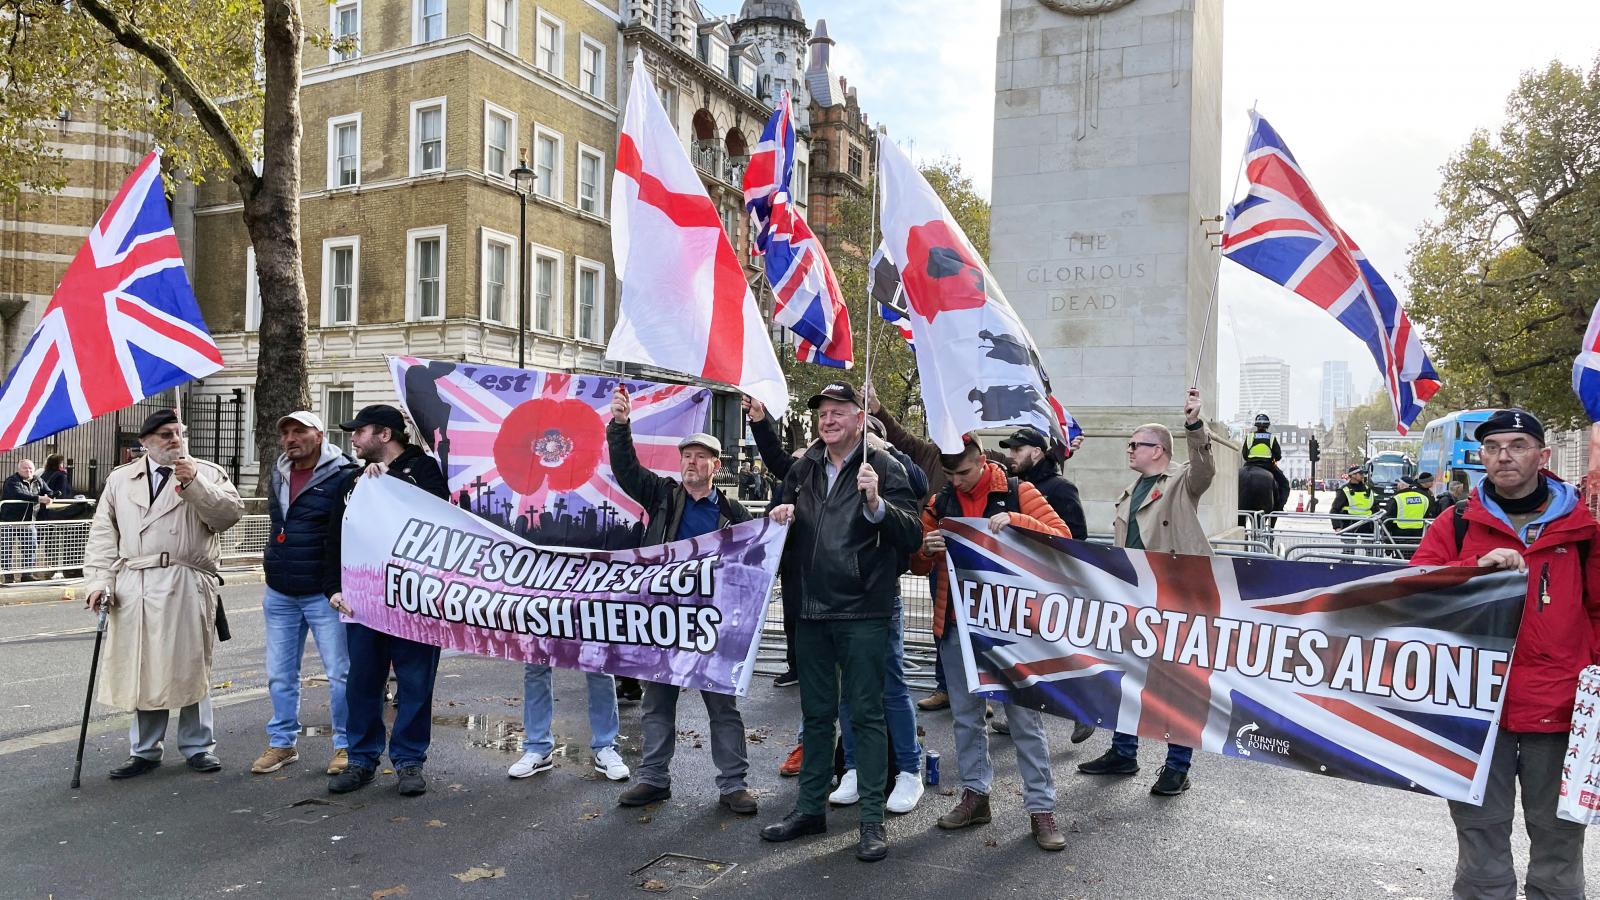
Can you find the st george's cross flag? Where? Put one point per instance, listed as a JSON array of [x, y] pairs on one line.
[[527, 450], [1281, 230], [1586, 368], [685, 305], [987, 372], [807, 299], [123, 325]]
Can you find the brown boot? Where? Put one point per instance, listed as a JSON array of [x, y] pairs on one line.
[[1045, 832], [972, 810]]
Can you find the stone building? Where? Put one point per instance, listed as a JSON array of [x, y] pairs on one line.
[[843, 151], [409, 210]]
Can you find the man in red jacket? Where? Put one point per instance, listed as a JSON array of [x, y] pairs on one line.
[[1521, 517]]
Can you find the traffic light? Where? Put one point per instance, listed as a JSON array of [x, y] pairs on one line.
[[1316, 450]]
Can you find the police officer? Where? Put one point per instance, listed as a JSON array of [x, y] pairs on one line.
[[1408, 512], [1356, 498], [1261, 448]]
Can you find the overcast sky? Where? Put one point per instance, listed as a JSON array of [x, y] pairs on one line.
[[1373, 96]]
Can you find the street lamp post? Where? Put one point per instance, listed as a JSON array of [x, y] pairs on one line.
[[519, 175]]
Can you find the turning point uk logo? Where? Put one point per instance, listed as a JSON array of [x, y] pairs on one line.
[[1247, 739]]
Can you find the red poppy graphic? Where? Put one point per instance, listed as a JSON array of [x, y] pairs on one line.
[[942, 274], [544, 439]]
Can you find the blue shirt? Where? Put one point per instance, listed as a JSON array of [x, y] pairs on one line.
[[699, 516]]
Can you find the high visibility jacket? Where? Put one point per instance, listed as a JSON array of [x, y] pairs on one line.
[[1261, 445], [1410, 510], [1357, 503]]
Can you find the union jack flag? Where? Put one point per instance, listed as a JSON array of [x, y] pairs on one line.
[[1233, 701], [124, 324], [527, 448], [1282, 231], [1586, 368], [807, 297]]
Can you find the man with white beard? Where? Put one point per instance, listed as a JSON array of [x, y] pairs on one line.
[[151, 563]]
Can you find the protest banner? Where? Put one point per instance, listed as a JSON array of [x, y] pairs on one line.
[[687, 613], [526, 449], [1385, 676]]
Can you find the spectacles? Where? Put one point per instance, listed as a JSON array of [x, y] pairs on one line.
[[1134, 445], [1517, 450]]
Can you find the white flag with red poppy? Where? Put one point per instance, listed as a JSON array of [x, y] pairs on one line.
[[685, 303], [987, 372], [526, 449]]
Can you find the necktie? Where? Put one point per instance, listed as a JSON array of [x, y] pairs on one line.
[[165, 472]]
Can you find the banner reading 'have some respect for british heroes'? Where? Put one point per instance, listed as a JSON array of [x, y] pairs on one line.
[[1386, 676], [687, 613]]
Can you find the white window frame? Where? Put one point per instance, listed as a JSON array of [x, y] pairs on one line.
[[581, 265], [418, 32], [328, 246], [715, 48], [513, 13], [508, 307], [334, 125], [417, 107], [586, 42], [489, 111], [334, 416], [537, 252], [414, 302], [252, 291], [557, 168], [584, 150], [333, 29], [558, 65]]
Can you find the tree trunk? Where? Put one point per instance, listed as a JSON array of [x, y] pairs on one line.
[[272, 217]]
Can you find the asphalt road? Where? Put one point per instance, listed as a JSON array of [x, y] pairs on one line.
[[1244, 830]]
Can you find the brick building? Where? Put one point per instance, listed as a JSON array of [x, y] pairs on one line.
[[843, 149], [409, 212]]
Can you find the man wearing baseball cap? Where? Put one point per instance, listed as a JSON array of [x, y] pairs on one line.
[[680, 510], [1520, 517], [302, 492], [378, 435], [1356, 498]]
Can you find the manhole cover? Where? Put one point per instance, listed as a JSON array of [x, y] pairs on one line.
[[307, 812], [674, 870]]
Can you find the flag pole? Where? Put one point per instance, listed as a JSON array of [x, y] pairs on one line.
[[1211, 301], [872, 243]]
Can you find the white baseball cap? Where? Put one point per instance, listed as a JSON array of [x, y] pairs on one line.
[[305, 417]]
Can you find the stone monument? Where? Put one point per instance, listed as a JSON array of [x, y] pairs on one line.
[[1107, 143]]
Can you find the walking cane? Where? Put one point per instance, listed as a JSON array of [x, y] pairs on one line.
[[88, 698]]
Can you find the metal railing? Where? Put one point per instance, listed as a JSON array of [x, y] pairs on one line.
[[53, 549]]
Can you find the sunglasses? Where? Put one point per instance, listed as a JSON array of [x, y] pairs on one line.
[[1134, 445]]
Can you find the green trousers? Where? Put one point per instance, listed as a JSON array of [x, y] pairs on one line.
[[842, 656]]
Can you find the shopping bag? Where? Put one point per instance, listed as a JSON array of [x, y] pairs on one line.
[[1580, 771]]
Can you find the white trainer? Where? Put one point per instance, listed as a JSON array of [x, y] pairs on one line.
[[907, 791], [608, 762], [531, 763], [846, 793]]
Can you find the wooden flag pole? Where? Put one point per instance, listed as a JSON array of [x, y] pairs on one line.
[[1211, 301], [872, 245]]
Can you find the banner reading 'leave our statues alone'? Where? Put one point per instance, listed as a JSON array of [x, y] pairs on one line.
[[1386, 676], [687, 613]]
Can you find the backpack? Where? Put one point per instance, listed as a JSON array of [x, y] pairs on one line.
[[1458, 517]]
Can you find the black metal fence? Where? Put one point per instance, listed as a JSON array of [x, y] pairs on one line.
[[92, 449], [217, 430]]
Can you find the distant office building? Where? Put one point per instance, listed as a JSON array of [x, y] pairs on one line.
[[1264, 388], [1338, 390]]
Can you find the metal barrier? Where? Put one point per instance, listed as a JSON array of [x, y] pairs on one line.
[[54, 548]]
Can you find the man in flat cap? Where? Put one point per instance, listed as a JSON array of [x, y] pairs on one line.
[[1522, 518], [151, 563], [378, 434], [680, 510]]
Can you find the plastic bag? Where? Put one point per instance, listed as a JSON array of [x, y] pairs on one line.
[[1580, 771]]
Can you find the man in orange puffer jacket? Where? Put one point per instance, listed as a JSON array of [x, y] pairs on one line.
[[1521, 517], [979, 488]]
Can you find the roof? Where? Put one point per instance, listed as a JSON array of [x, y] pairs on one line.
[[772, 9], [823, 87]]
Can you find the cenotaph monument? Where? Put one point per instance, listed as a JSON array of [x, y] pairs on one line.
[[1107, 143]]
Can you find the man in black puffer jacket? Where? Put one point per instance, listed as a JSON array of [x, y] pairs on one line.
[[854, 527], [678, 511], [301, 497]]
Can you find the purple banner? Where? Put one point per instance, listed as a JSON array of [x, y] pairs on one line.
[[687, 613]]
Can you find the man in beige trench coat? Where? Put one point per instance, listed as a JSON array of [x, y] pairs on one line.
[[151, 561]]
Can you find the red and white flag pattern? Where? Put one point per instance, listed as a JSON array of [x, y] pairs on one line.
[[685, 303]]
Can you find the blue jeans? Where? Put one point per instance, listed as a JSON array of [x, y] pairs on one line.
[[288, 619], [415, 665], [538, 708], [1128, 745], [899, 713]]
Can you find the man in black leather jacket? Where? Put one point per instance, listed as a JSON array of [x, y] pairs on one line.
[[853, 529]]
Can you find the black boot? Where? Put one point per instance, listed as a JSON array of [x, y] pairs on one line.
[[353, 778], [1110, 763], [795, 824], [874, 842]]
